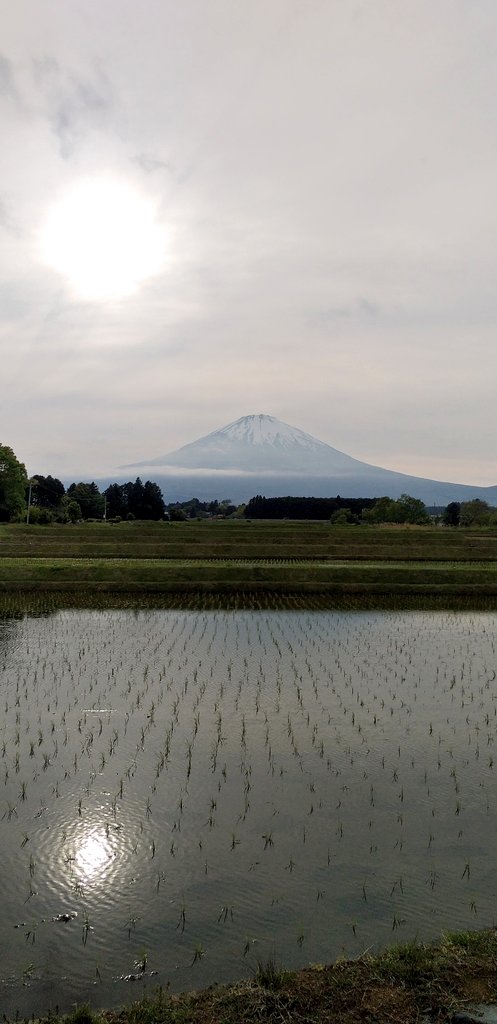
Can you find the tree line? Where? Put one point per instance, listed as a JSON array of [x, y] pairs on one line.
[[50, 502], [289, 507], [342, 511], [44, 499], [470, 513]]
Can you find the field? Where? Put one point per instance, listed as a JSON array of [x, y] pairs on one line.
[[185, 793], [405, 984], [251, 557], [208, 773]]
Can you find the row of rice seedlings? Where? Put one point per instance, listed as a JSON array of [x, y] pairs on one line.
[[325, 765]]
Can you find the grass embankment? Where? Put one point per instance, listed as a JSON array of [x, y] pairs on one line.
[[403, 985], [234, 556]]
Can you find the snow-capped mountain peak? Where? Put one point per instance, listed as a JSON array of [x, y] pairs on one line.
[[261, 454], [258, 443], [261, 430]]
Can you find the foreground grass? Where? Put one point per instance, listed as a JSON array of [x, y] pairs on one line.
[[231, 575], [246, 540], [404, 984], [235, 557]]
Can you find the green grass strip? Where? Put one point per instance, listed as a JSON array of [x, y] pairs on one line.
[[403, 985]]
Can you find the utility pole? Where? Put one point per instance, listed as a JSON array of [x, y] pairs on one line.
[[32, 483]]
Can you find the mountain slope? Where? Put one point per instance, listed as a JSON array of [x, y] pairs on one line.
[[260, 454], [260, 443]]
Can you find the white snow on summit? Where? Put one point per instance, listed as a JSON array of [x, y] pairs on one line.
[[259, 443], [264, 430], [261, 454]]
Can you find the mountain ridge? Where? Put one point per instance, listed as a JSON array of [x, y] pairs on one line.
[[260, 454], [255, 443]]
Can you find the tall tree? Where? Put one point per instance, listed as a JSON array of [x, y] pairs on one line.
[[452, 514], [13, 481], [412, 510], [117, 501], [475, 513], [384, 510], [145, 501], [89, 499], [140, 501], [153, 502], [47, 492], [136, 497], [405, 510]]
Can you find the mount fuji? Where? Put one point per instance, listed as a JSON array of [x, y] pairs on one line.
[[261, 454], [259, 444]]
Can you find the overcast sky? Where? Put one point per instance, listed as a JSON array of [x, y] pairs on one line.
[[319, 180]]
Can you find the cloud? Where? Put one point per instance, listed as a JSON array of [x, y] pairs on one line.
[[326, 176], [150, 163], [322, 318], [74, 103], [7, 221], [6, 77]]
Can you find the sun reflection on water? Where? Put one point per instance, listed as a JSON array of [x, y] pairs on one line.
[[93, 856]]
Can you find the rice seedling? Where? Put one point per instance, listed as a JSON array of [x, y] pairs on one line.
[[198, 953], [225, 913], [181, 925], [87, 928], [287, 754]]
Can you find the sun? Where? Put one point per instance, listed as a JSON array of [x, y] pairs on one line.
[[93, 856], [103, 236]]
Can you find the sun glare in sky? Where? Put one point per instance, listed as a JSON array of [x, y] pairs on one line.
[[103, 236]]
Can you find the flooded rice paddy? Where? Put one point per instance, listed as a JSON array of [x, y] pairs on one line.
[[184, 793]]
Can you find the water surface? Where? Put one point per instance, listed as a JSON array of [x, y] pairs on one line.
[[192, 791]]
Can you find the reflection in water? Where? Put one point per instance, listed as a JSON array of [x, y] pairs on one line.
[[93, 857], [309, 782], [9, 637]]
